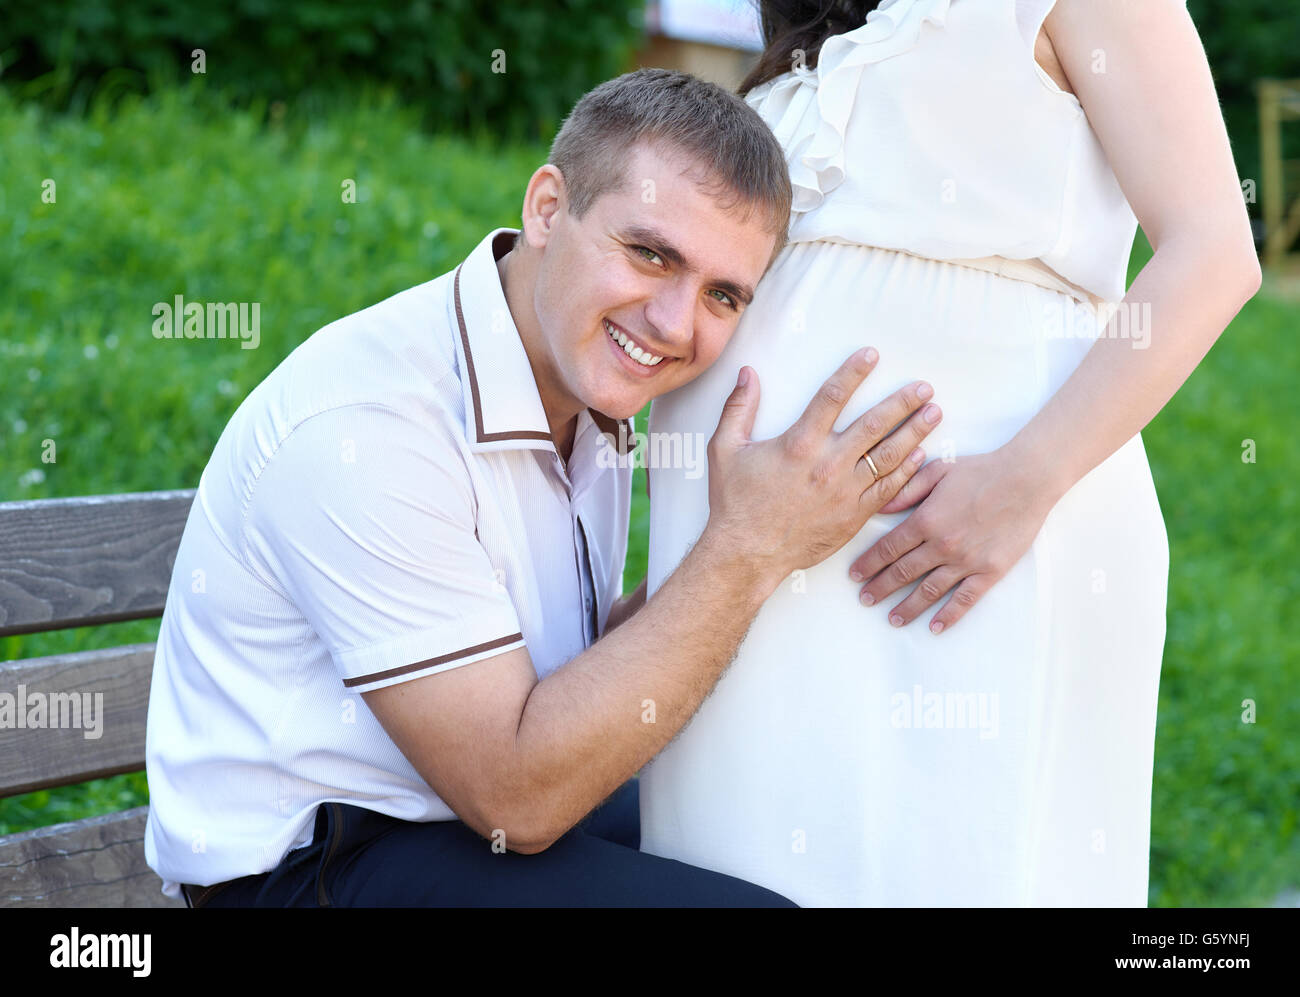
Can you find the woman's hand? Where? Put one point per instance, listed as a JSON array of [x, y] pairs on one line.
[[977, 517]]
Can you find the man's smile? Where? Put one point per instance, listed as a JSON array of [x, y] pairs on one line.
[[640, 358]]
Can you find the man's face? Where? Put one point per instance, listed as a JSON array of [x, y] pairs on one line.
[[658, 263]]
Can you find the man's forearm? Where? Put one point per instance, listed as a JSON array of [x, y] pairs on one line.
[[593, 723]]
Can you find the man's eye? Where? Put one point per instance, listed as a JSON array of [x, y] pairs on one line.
[[725, 298], [649, 254]]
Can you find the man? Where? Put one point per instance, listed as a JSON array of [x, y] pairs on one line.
[[394, 666]]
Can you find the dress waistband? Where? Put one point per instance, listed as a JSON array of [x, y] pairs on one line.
[[1030, 271]]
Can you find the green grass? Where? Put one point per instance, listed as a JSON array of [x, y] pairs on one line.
[[178, 195], [1226, 792]]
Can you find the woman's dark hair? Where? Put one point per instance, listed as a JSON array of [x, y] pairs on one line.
[[791, 27]]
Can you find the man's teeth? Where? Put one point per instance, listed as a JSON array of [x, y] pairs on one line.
[[631, 349]]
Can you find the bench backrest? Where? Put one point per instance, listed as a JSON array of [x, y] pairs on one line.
[[72, 563]]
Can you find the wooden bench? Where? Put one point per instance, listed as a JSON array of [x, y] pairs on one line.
[[72, 563]]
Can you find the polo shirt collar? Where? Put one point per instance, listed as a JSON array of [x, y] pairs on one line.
[[503, 409]]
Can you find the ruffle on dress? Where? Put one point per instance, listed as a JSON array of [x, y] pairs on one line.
[[808, 109]]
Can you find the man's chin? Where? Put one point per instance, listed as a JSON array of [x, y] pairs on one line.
[[619, 410], [620, 404]]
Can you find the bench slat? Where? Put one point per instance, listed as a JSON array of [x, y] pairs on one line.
[[79, 561], [97, 862], [41, 757]]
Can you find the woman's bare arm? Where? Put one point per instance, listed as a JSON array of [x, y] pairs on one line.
[[1140, 73], [1154, 109]]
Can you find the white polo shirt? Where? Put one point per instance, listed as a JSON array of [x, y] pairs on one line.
[[387, 504]]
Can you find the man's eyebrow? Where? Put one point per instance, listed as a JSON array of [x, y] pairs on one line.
[[738, 291], [653, 239]]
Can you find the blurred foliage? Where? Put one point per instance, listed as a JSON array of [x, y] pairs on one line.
[[441, 54], [1226, 793], [54, 806], [173, 194], [512, 69], [1245, 41]]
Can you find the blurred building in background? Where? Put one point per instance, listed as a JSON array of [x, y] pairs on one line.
[[717, 40]]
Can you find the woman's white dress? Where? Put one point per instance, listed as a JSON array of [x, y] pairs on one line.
[[954, 209]]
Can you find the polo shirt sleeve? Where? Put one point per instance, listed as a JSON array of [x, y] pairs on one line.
[[364, 518]]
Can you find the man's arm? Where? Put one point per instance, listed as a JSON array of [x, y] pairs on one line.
[[529, 759]]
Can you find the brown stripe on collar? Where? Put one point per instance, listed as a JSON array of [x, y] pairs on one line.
[[624, 443], [483, 437]]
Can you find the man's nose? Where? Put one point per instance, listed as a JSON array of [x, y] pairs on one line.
[[671, 313]]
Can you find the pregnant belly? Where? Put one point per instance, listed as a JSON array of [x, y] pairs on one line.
[[842, 761], [980, 339], [977, 337]]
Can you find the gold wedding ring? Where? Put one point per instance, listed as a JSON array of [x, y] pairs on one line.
[[871, 464]]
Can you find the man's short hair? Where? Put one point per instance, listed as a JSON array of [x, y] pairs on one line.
[[741, 162]]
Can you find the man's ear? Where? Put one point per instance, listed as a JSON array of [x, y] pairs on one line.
[[544, 199]]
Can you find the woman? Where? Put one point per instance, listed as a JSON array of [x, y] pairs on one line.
[[968, 176]]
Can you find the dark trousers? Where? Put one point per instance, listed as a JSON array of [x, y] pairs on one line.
[[360, 858]]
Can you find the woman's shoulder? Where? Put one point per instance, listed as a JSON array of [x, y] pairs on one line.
[[890, 28], [808, 108]]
